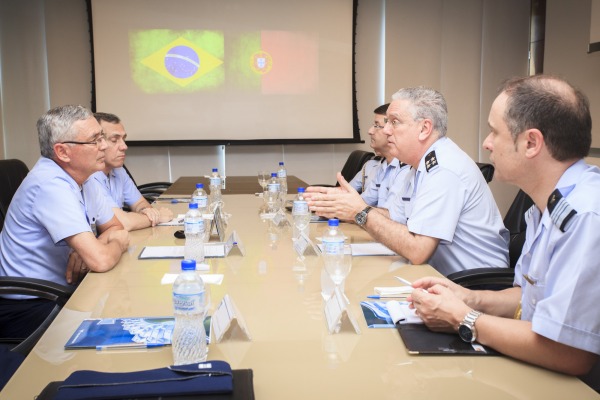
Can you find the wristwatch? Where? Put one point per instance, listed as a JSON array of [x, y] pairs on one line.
[[361, 217], [466, 329]]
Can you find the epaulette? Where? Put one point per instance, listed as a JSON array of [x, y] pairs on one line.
[[560, 210], [430, 161]]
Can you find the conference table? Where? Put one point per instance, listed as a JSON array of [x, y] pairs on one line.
[[290, 350], [186, 185]]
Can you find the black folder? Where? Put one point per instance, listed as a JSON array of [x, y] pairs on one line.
[[419, 339]]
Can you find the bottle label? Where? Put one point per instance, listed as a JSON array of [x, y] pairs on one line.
[[215, 181], [300, 207], [273, 187], [333, 247], [282, 173], [188, 303], [201, 200], [194, 227]]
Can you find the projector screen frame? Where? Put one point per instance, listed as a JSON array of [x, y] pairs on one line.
[[228, 142]]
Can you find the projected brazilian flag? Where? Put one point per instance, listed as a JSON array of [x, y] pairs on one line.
[[274, 62], [164, 61]]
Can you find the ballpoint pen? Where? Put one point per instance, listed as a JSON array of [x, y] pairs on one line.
[[407, 282], [174, 201], [127, 346], [376, 296]]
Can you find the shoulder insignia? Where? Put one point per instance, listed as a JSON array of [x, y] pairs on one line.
[[560, 210], [430, 161]]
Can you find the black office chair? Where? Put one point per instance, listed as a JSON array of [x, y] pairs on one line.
[[487, 170], [12, 173], [14, 350], [353, 164], [151, 191], [514, 221], [501, 278]]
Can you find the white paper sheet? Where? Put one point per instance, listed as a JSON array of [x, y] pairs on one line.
[[400, 312], [370, 249]]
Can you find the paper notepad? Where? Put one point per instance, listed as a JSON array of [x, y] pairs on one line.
[[370, 249], [393, 290]]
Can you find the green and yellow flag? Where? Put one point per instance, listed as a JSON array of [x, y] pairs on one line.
[[164, 61]]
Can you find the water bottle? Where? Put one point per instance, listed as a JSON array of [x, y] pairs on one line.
[[300, 214], [194, 234], [215, 188], [282, 177], [201, 198], [333, 251], [273, 193], [189, 309]]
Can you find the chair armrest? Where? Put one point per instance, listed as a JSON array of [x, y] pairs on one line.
[[484, 278], [36, 287], [41, 288]]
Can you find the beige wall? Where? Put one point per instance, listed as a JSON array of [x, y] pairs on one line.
[[462, 47], [567, 39]]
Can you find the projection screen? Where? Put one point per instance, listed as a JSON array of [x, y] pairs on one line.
[[228, 71]]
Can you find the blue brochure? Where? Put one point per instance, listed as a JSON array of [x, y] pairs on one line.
[[115, 333], [122, 332]]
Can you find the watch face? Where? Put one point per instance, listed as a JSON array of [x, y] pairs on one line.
[[465, 333], [360, 218]]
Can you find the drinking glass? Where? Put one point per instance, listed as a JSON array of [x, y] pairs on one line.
[[263, 178]]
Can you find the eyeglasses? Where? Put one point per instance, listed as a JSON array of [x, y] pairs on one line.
[[96, 142], [394, 122]]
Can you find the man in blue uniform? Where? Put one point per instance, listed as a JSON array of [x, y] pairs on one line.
[[380, 176], [47, 232], [444, 214], [116, 185], [540, 133]]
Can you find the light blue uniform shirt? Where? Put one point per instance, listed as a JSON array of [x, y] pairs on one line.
[[363, 178], [560, 295], [119, 186], [47, 208], [448, 198], [382, 186], [98, 202]]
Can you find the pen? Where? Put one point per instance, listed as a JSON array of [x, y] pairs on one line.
[[375, 296], [407, 282], [174, 201], [127, 346]]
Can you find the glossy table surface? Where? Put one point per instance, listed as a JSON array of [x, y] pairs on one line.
[[291, 352], [186, 185]]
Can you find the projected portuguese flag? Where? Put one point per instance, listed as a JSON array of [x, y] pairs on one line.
[[275, 62], [164, 60]]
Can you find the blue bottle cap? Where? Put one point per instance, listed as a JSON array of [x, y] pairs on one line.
[[199, 185], [333, 222], [273, 174], [301, 190], [215, 170], [193, 206], [188, 265], [280, 162]]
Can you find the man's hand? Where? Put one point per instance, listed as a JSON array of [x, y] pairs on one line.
[[121, 237], [439, 307], [342, 203], [157, 216], [431, 281], [76, 269]]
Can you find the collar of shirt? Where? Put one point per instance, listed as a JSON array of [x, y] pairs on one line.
[[565, 185]]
